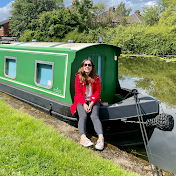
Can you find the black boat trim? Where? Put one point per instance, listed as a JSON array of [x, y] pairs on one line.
[[38, 100], [40, 107], [129, 117], [57, 105]]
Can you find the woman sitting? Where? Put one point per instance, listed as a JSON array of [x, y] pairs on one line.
[[87, 101]]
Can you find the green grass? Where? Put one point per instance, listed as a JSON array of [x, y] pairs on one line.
[[30, 147]]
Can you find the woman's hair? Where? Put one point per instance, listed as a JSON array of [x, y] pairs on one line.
[[87, 78]]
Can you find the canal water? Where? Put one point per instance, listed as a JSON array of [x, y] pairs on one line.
[[152, 76]]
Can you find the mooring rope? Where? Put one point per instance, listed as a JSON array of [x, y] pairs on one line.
[[163, 121], [143, 131]]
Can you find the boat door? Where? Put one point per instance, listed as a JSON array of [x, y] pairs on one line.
[[106, 65], [98, 60]]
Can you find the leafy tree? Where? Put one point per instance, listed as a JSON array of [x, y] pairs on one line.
[[122, 12], [24, 11], [123, 21], [164, 4], [151, 14], [59, 4], [51, 25], [83, 9], [168, 17], [98, 10], [108, 19]]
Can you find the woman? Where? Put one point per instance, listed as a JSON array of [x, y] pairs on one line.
[[87, 101]]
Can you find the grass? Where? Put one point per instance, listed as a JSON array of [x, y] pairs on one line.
[[30, 147]]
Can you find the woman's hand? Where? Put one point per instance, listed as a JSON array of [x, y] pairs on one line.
[[86, 107], [90, 106]]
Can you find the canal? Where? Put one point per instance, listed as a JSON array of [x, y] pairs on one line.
[[152, 76]]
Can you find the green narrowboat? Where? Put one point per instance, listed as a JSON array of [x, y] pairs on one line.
[[43, 75]]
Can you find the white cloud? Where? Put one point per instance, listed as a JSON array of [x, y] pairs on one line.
[[150, 3], [134, 4], [5, 12]]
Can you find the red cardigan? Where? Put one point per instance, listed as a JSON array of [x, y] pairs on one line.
[[80, 90]]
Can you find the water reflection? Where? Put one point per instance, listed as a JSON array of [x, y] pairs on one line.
[[158, 79]]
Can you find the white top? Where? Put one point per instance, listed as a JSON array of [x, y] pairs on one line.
[[88, 94], [72, 46]]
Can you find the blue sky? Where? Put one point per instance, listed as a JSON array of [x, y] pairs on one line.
[[5, 5]]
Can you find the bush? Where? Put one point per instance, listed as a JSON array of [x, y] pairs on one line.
[[135, 38]]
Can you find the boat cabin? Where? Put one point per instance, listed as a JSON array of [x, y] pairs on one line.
[[49, 68]]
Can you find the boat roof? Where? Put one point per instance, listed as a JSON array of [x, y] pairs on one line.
[[71, 46]]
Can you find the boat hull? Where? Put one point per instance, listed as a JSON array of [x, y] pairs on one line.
[[111, 116]]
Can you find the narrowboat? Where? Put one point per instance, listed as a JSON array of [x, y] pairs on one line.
[[43, 75]]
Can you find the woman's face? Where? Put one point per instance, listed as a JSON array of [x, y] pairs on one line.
[[87, 66]]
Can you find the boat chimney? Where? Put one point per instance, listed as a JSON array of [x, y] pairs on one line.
[[70, 41], [100, 40]]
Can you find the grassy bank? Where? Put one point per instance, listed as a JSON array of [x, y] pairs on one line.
[[30, 147]]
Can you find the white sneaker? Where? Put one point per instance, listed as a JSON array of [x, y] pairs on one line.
[[100, 144], [86, 140]]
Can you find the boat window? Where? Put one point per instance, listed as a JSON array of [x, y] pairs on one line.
[[44, 74], [90, 58], [99, 71], [10, 67]]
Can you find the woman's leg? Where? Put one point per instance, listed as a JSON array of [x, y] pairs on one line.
[[82, 119], [97, 126], [95, 119], [82, 126]]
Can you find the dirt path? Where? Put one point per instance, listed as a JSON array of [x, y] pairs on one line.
[[125, 160]]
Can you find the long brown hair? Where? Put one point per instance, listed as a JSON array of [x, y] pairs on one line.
[[83, 76]]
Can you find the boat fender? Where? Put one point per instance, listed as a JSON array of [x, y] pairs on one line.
[[50, 109], [163, 121]]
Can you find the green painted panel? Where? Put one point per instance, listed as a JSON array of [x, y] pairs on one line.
[[26, 71]]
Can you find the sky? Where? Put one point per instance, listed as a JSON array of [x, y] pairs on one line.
[[5, 5]]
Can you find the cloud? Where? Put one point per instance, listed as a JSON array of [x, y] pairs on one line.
[[150, 3], [134, 4], [5, 12]]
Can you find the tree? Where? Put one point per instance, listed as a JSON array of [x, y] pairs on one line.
[[24, 11], [151, 14], [83, 9], [54, 24], [97, 10], [164, 4], [59, 4], [168, 17], [122, 12]]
